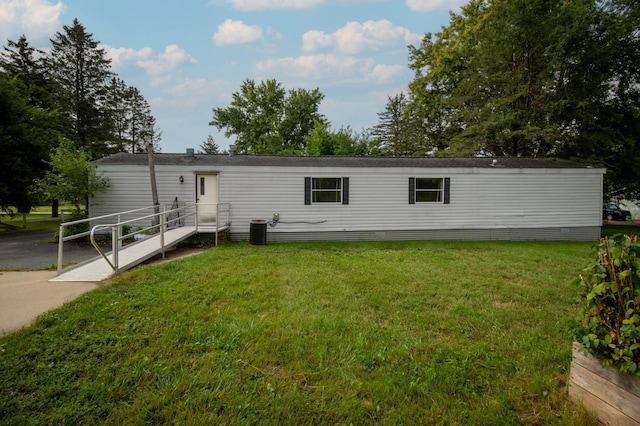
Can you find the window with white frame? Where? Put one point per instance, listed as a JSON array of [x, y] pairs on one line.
[[326, 190], [429, 190]]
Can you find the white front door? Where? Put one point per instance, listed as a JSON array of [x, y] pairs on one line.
[[207, 198]]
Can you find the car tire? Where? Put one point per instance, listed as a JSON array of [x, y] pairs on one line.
[[609, 217]]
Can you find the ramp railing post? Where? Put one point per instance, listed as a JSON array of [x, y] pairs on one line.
[[217, 220], [60, 246], [115, 237], [162, 217], [119, 240], [195, 218]]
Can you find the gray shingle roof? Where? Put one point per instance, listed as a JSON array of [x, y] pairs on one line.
[[207, 160]]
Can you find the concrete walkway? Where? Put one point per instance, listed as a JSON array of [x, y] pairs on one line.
[[26, 295]]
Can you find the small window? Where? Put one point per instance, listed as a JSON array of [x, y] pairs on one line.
[[429, 190], [326, 190]]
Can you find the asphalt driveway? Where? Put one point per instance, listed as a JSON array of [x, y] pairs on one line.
[[34, 250]]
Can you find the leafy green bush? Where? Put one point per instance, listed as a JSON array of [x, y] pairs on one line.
[[610, 325], [75, 229]]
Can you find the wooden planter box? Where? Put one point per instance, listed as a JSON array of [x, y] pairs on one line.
[[610, 395]]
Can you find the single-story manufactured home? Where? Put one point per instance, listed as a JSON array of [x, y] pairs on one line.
[[368, 198]]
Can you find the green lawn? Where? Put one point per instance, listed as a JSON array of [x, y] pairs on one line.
[[35, 222], [39, 219], [311, 333]]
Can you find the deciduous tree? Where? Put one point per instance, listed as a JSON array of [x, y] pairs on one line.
[[534, 78], [72, 178], [25, 138], [267, 120], [324, 141]]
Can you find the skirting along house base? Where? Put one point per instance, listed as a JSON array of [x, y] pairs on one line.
[[367, 198]]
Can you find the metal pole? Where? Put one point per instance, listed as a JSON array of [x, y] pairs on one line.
[[119, 240], [217, 220], [195, 219], [154, 186], [114, 247], [60, 246], [162, 230]]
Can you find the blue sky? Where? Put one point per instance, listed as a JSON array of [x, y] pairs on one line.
[[188, 57]]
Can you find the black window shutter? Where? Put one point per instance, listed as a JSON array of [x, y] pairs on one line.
[[412, 190], [307, 190], [447, 190], [345, 190]]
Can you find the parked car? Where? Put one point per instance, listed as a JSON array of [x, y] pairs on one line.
[[613, 212]]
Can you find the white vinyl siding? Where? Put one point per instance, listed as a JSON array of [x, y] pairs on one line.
[[552, 200]]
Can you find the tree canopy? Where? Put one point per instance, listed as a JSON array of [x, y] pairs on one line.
[[82, 72], [266, 119], [67, 91], [72, 176], [25, 138], [528, 78], [346, 142]]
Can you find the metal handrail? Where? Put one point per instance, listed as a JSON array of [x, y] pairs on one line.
[[114, 246], [62, 239], [226, 209], [116, 238]]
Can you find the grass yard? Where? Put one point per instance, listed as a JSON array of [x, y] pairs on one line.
[[451, 333], [35, 222]]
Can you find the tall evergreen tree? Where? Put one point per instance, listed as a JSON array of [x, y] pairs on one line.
[[82, 72], [397, 133], [30, 124], [119, 113], [209, 146], [130, 115], [27, 64]]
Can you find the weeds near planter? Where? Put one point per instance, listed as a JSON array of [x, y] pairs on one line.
[[611, 313]]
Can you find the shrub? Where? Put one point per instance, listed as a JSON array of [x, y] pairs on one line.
[[75, 229], [610, 318]]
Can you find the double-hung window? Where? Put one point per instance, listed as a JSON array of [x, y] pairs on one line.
[[429, 190], [319, 190]]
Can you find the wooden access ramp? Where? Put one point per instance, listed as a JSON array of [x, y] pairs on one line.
[[99, 269]]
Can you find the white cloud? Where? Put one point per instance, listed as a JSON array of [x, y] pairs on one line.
[[37, 19], [355, 38], [428, 5], [191, 94], [316, 67], [236, 32], [122, 55], [384, 73], [247, 5], [345, 69], [172, 57]]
